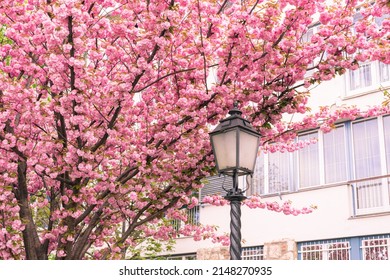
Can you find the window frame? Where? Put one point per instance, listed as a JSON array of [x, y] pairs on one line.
[[376, 83], [323, 249], [299, 155], [360, 190], [253, 253]]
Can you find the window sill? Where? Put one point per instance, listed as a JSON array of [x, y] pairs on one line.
[[371, 215], [351, 94]]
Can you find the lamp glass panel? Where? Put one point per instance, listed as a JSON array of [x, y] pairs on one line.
[[249, 145], [224, 145]]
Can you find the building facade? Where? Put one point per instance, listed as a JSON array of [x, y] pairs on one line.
[[346, 174]]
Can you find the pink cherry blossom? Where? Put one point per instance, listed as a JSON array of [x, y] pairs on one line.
[[105, 108]]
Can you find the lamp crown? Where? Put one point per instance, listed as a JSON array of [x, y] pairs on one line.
[[235, 110]]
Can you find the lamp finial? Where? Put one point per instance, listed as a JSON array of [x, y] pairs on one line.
[[235, 110]]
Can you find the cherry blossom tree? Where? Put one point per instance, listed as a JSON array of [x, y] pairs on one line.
[[106, 105]]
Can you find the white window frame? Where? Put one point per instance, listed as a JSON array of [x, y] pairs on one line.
[[320, 165], [376, 83], [324, 249], [267, 188], [365, 246], [322, 155], [253, 253], [321, 150], [263, 188], [359, 186]]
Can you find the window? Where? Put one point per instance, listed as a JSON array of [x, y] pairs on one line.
[[257, 186], [252, 253], [386, 129], [325, 250], [277, 177], [214, 185], [384, 72], [278, 172], [361, 77], [182, 257], [192, 218], [366, 148], [376, 248], [369, 75], [367, 164], [335, 162], [309, 168], [306, 38], [370, 153]]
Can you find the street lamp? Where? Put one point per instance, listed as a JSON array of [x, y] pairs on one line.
[[235, 144]]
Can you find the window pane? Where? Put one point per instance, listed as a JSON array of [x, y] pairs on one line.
[[361, 77], [334, 156], [325, 250], [309, 169], [366, 149], [306, 37], [252, 253], [258, 177], [375, 249], [386, 128], [312, 252], [384, 72], [278, 172], [338, 251]]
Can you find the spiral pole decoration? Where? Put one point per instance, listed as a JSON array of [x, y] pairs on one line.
[[235, 196]]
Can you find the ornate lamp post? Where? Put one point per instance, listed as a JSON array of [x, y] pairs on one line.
[[235, 144]]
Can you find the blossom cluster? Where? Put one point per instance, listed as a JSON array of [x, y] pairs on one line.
[[255, 201]]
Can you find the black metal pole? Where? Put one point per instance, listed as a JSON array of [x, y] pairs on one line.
[[235, 196]]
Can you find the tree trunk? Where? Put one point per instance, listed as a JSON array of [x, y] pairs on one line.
[[33, 247]]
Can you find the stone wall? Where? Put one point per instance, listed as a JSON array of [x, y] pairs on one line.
[[281, 250], [285, 249], [215, 253]]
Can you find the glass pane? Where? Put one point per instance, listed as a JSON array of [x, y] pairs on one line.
[[366, 149], [338, 251], [376, 249], [309, 168], [386, 128], [384, 72], [361, 77], [258, 177], [252, 253], [369, 194], [249, 145], [334, 156], [278, 175], [225, 149], [306, 37], [312, 252]]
